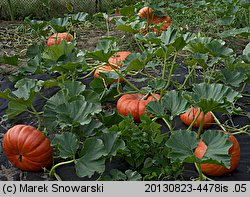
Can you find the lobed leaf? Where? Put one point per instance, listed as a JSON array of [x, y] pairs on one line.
[[67, 144], [91, 158]]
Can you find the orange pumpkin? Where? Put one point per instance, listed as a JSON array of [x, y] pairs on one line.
[[27, 148], [146, 13], [57, 37], [217, 170], [166, 22], [116, 59], [134, 104], [188, 117], [105, 69]]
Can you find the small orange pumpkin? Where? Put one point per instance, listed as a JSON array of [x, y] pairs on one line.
[[119, 56], [146, 13], [57, 37], [217, 170], [188, 117], [105, 69], [166, 22], [27, 148], [134, 104]]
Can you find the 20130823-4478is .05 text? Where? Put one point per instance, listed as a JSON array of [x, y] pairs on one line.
[[201, 187]]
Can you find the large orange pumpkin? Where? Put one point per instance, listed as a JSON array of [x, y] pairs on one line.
[[134, 104], [27, 148], [105, 69], [188, 117], [119, 56], [57, 37], [217, 170]]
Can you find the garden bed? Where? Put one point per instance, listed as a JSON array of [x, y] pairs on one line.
[[97, 137]]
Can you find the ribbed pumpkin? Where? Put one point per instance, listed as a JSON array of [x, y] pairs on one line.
[[27, 148], [119, 56], [134, 104], [217, 170], [148, 14], [105, 69], [57, 37], [166, 22], [188, 117]]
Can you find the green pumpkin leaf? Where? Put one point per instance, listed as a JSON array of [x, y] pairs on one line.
[[126, 28], [226, 20], [91, 158], [112, 144], [59, 24], [172, 102], [74, 87], [232, 77], [198, 45], [168, 37], [133, 175], [53, 53], [110, 119], [213, 97], [50, 114], [36, 24], [21, 98], [246, 53], [10, 60], [104, 50], [164, 51], [201, 59], [183, 144], [218, 146], [77, 112], [234, 32], [127, 10], [217, 49], [175, 103], [27, 88], [156, 84], [117, 175], [156, 109], [179, 43], [79, 16], [134, 62], [67, 144], [15, 108], [89, 130]]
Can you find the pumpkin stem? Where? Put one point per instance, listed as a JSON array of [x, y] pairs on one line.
[[38, 117], [202, 177], [20, 158], [195, 119], [145, 97], [218, 122], [201, 124], [169, 125], [169, 73], [52, 170], [187, 77]]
